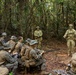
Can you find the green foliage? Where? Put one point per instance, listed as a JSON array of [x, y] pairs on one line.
[[53, 16]]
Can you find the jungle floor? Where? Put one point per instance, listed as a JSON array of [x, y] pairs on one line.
[[55, 59]]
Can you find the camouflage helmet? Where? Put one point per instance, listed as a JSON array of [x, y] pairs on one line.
[[38, 27], [28, 40], [13, 37], [4, 34], [70, 25], [33, 42]]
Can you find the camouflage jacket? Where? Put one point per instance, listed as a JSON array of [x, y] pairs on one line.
[[70, 34], [5, 58], [38, 33]]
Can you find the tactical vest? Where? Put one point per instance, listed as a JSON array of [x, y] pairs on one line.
[[27, 53], [38, 34], [29, 61], [71, 34]]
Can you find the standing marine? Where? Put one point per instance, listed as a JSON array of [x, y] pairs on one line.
[[70, 36], [38, 36]]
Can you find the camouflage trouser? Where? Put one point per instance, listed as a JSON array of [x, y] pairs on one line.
[[39, 42], [12, 67], [4, 70], [23, 58], [70, 45], [42, 63]]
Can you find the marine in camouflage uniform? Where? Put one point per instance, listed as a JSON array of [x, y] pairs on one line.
[[25, 50], [71, 68], [38, 36], [11, 43], [4, 70], [24, 47], [18, 46], [33, 56], [70, 36], [7, 63]]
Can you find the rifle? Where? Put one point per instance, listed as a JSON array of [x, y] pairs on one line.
[[52, 50], [47, 51]]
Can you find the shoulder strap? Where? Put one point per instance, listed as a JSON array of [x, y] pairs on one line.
[[13, 47], [27, 53]]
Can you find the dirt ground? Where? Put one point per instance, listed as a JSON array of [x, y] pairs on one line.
[[55, 59]]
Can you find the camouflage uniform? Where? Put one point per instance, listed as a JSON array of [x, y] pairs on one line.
[[33, 57], [36, 57], [70, 36], [4, 70], [7, 63], [23, 50], [18, 46], [71, 70], [38, 36], [11, 43]]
